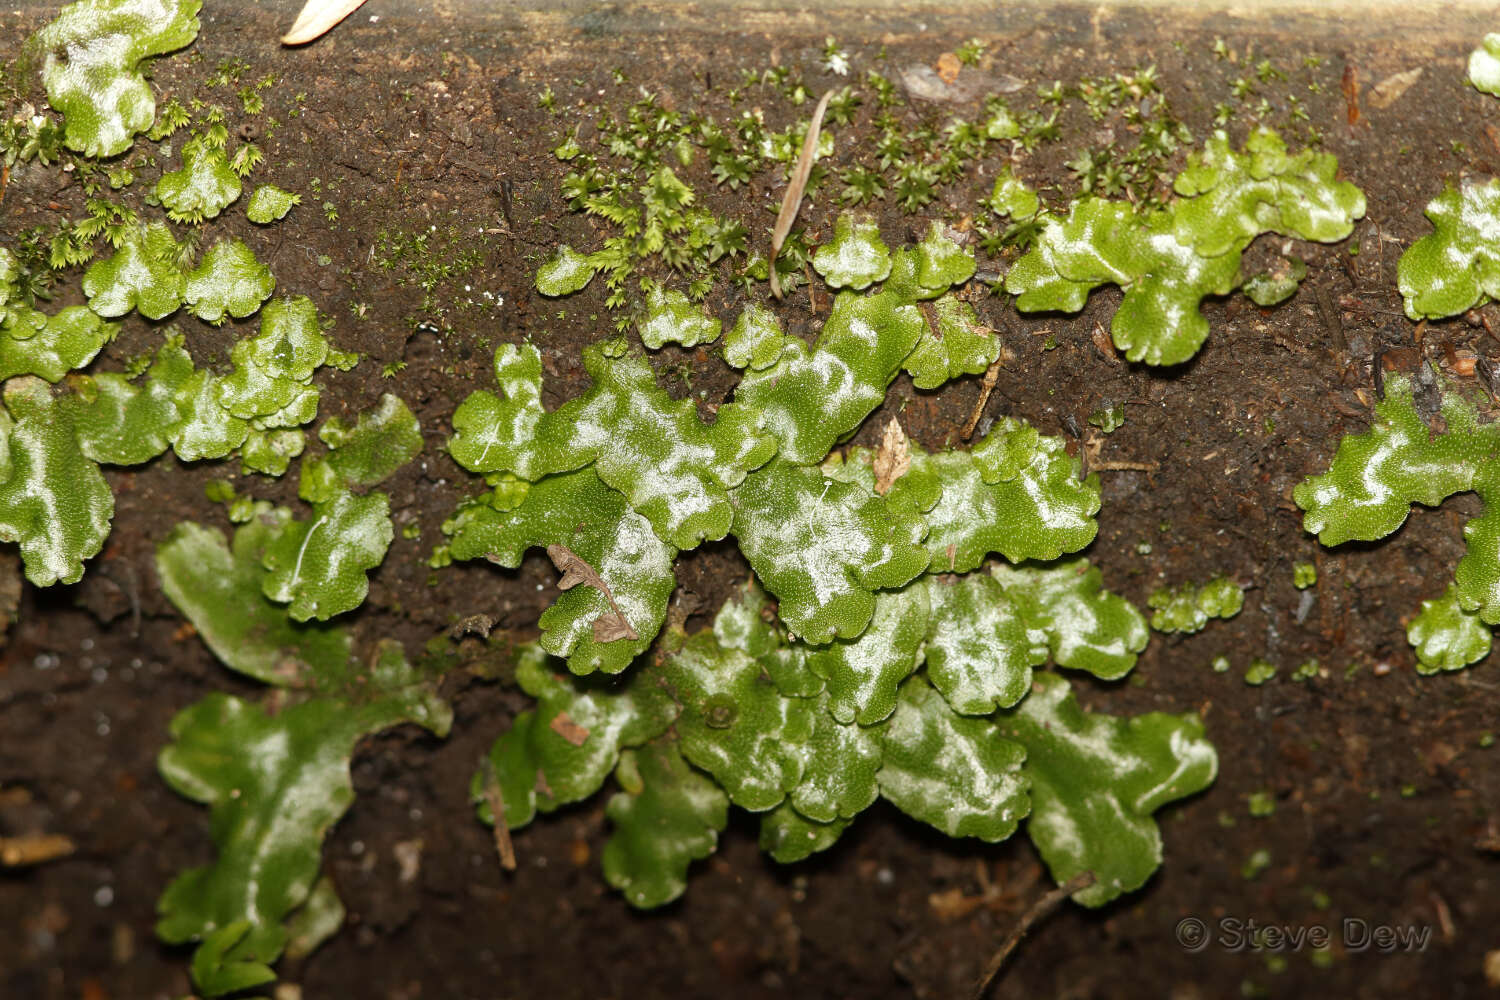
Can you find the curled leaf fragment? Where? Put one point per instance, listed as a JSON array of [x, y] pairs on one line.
[[317, 18], [607, 628]]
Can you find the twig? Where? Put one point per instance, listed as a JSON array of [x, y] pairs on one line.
[[496, 802], [1124, 466], [1039, 910], [34, 849], [1330, 317], [792, 201], [987, 387]]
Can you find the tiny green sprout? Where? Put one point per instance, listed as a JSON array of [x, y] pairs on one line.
[[219, 491], [842, 106], [1268, 72], [835, 60], [1260, 671], [411, 530], [1262, 804], [1306, 670], [251, 101], [1188, 608], [1221, 48], [861, 186], [1108, 419], [171, 117], [970, 52], [1254, 865], [1276, 284], [1242, 88], [1486, 740], [392, 368], [1408, 791], [1220, 664], [1304, 575], [330, 211], [547, 101]]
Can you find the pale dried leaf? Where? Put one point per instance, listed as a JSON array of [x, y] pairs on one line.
[[792, 201], [892, 458], [1389, 91], [317, 18]]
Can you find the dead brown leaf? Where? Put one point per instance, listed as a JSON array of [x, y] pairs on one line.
[[1389, 91], [952, 904], [563, 725], [948, 67], [1103, 344], [892, 458], [576, 570], [34, 849], [1349, 84], [792, 200]]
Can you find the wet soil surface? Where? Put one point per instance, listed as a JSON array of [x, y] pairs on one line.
[[1383, 795]]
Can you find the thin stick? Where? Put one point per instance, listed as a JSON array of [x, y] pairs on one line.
[[1124, 466], [792, 201], [1040, 909], [984, 397], [496, 801]]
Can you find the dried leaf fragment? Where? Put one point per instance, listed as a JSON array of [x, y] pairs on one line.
[[948, 67], [34, 849], [563, 725], [792, 201], [575, 570], [1389, 91], [1349, 84], [892, 458], [317, 18]]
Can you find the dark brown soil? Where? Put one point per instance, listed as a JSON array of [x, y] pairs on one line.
[[1384, 800]]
